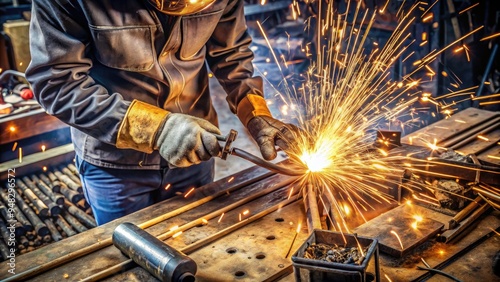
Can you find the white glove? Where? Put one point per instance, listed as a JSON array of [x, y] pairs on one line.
[[185, 140]]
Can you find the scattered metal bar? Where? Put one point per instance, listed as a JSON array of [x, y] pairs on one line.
[[74, 222], [42, 209], [38, 225], [451, 234], [66, 180], [70, 174], [55, 197], [84, 218], [64, 226], [23, 225], [464, 213], [56, 236], [53, 208], [53, 184]]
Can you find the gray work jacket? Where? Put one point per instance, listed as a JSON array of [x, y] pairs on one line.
[[91, 58]]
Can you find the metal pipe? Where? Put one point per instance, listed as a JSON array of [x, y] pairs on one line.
[[311, 208], [451, 234], [65, 226], [159, 259], [84, 218], [464, 212], [55, 197], [53, 209], [38, 225], [22, 276], [42, 209], [66, 180], [74, 223], [265, 164], [54, 184]]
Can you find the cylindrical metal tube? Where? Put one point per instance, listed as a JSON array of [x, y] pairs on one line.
[[158, 258]]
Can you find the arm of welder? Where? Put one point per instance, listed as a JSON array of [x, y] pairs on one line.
[[59, 72], [230, 59]]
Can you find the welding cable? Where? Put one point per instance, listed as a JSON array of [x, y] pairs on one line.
[[265, 164], [439, 272]]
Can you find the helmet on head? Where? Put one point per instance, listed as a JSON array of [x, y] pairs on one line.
[[181, 7]]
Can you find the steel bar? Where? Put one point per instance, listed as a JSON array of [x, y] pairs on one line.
[[66, 180], [311, 208], [71, 176], [73, 169], [472, 132], [8, 218], [4, 232], [451, 234], [474, 137], [74, 222], [42, 209], [55, 197], [24, 224], [84, 218], [464, 213], [69, 194], [53, 208], [53, 184], [65, 226], [22, 276], [128, 264], [38, 225], [268, 165], [492, 196], [4, 251], [56, 236]]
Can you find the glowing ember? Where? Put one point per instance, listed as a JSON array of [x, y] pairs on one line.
[[220, 218], [167, 186], [189, 192]]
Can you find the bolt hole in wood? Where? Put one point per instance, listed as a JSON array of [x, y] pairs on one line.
[[270, 237], [231, 250], [260, 256], [279, 219], [239, 273]]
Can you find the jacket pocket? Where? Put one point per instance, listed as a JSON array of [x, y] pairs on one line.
[[196, 31], [125, 48]]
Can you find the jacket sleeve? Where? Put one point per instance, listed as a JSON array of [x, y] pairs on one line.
[[230, 59]]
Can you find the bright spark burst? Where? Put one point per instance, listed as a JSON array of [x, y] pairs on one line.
[[347, 95]]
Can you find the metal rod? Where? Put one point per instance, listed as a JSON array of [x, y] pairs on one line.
[[70, 174], [53, 209], [451, 234], [311, 208], [268, 165], [38, 225], [66, 180], [42, 209], [84, 218], [56, 236], [55, 197], [474, 137], [471, 132], [74, 222], [65, 226], [22, 276], [54, 185], [464, 212], [128, 264]]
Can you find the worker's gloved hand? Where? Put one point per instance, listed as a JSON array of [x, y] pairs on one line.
[[185, 140], [269, 132]]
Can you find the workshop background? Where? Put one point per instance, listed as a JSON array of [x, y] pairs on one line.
[[55, 226]]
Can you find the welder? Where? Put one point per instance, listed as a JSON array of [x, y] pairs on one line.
[[131, 79]]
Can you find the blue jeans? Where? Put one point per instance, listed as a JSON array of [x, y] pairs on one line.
[[113, 193]]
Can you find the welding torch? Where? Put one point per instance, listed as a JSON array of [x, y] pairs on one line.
[[229, 150]]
